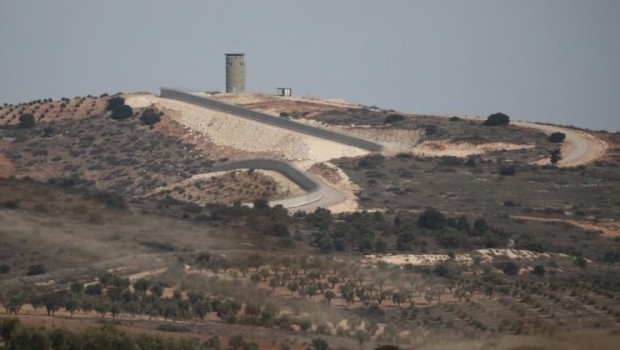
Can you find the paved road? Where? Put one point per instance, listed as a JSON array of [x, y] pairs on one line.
[[579, 147], [323, 196], [329, 196]]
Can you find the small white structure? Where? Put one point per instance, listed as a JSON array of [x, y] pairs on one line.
[[286, 92]]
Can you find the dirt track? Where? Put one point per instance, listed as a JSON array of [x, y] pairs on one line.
[[609, 229], [579, 147]]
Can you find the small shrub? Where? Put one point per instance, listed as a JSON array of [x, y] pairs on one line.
[[471, 162], [168, 327], [557, 137], [122, 112], [280, 229], [432, 219], [11, 204], [305, 324], [580, 262], [555, 156], [150, 116], [450, 161], [95, 218], [110, 199], [507, 170], [510, 268], [539, 270], [441, 270], [115, 103], [430, 130], [235, 341], [497, 119], [26, 121], [611, 257], [393, 118], [48, 131], [4, 269], [260, 204], [455, 119], [36, 269], [371, 161]]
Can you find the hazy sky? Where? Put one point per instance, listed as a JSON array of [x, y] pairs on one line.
[[548, 60]]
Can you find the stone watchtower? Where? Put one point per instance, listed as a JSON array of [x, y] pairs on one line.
[[235, 72]]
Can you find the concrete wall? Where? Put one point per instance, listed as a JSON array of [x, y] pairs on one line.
[[288, 170], [267, 119], [309, 185], [235, 72], [294, 202]]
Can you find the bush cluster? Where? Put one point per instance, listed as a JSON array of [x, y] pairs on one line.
[[17, 335], [118, 108]]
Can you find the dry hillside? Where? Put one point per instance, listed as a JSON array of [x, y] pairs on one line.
[[457, 236]]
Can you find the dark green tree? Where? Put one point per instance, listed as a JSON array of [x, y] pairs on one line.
[[497, 119], [507, 170], [480, 227], [557, 137], [510, 268], [36, 269], [150, 116], [319, 344], [53, 301], [555, 155], [539, 270], [141, 285], [122, 112], [393, 119], [432, 219], [115, 103], [26, 121], [7, 327]]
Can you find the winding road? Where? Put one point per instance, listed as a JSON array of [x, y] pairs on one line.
[[319, 193], [578, 148]]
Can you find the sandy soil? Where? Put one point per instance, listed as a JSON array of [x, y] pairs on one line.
[[485, 255], [145, 274], [442, 148], [246, 99], [6, 167], [170, 127], [609, 229]]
